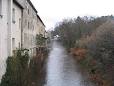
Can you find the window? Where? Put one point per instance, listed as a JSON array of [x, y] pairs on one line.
[[19, 23], [25, 40], [0, 8], [25, 24], [13, 15], [13, 43], [28, 25], [33, 27], [26, 5], [28, 10], [19, 45]]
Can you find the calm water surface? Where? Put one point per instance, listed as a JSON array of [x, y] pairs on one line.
[[62, 70]]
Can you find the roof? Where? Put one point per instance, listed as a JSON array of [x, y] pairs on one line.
[[18, 3], [32, 5], [40, 19]]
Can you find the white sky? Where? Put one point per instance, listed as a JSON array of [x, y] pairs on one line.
[[53, 11]]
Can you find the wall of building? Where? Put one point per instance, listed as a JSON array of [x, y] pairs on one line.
[[32, 25], [16, 26], [26, 20], [27, 26], [41, 28], [3, 30], [3, 36], [8, 30]]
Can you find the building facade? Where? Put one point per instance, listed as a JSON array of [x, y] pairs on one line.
[[10, 30], [32, 25], [41, 26], [16, 26], [3, 35], [19, 25]]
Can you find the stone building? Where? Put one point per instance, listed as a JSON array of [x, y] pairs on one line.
[[10, 29], [41, 26], [16, 30], [32, 25], [19, 24]]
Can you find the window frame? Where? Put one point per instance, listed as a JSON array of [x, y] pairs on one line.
[[13, 44], [13, 15], [1, 4], [20, 23], [28, 11], [28, 25]]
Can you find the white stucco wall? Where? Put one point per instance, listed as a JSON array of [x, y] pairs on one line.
[[7, 32], [3, 38], [29, 34], [16, 26]]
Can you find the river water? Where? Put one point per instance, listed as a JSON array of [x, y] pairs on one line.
[[62, 70]]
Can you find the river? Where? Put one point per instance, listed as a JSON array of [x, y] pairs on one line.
[[62, 70]]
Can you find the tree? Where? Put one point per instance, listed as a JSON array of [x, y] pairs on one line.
[[40, 40]]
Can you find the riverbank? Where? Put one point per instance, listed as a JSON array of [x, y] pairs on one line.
[[62, 70], [93, 71]]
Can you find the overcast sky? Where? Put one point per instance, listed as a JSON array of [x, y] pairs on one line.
[[53, 11]]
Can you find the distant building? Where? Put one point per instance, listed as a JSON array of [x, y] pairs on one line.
[[41, 28]]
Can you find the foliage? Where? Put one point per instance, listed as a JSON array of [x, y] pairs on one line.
[[23, 71], [96, 36], [71, 30], [40, 40], [16, 69], [101, 47]]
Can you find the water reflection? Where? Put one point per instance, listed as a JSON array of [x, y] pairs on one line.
[[61, 69]]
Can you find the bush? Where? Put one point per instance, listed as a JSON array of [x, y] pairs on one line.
[[40, 40], [16, 70], [101, 48]]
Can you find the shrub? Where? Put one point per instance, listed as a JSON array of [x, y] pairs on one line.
[[16, 70], [40, 40], [100, 45]]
